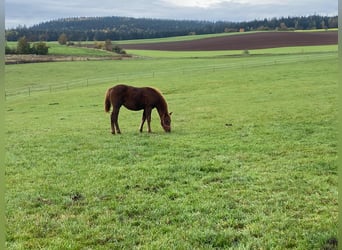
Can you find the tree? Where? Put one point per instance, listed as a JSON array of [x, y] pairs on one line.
[[333, 22], [62, 39], [108, 45], [23, 46], [282, 26]]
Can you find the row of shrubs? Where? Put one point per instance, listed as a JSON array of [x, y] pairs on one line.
[[107, 45], [24, 47], [40, 48]]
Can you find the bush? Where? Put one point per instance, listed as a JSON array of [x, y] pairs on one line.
[[119, 50], [40, 48], [9, 51], [246, 52], [99, 45], [24, 47]]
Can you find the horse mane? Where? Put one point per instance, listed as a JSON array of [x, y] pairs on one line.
[[162, 99]]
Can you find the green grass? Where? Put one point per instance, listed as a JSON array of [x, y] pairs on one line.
[[250, 163], [301, 50], [56, 49], [20, 77]]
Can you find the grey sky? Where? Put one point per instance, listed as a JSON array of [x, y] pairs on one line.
[[23, 12]]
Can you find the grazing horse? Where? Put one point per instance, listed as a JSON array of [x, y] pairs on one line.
[[133, 98]]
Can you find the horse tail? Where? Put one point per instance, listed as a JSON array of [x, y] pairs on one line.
[[107, 100]]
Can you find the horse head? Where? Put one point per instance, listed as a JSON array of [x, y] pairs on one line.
[[166, 122]]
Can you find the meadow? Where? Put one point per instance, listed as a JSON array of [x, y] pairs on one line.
[[250, 162]]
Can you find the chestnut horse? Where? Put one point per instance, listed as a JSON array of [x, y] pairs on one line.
[[133, 98]]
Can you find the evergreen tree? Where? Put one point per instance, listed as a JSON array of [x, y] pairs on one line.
[[123, 28]]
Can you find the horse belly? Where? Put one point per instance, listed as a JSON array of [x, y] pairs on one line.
[[133, 105]]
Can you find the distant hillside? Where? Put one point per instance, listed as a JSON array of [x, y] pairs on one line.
[[124, 28]]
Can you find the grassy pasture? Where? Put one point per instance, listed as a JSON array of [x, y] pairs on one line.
[[250, 163], [56, 49], [300, 50]]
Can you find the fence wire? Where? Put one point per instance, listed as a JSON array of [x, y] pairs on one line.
[[78, 83]]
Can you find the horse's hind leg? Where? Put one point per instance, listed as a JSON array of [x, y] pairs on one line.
[[143, 119], [114, 121]]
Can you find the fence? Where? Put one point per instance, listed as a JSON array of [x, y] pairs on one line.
[[28, 91]]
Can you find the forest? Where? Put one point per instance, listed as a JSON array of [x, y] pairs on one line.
[[125, 28]]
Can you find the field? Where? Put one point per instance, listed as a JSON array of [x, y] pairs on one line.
[[242, 41], [250, 162]]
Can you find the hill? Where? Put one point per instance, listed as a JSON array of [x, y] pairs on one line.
[[125, 28]]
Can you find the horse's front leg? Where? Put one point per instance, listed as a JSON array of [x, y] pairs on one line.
[[143, 119], [148, 118]]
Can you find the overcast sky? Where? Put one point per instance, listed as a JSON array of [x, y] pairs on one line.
[[30, 12]]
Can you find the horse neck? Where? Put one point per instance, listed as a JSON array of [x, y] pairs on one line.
[[162, 108]]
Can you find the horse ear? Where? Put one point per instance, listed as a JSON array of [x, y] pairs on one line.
[[170, 113]]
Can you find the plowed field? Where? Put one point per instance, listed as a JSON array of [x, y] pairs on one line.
[[260, 40]]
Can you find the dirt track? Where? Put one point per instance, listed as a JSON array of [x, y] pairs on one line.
[[245, 41]]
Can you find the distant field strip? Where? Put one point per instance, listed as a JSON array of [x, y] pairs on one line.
[[238, 62], [299, 50]]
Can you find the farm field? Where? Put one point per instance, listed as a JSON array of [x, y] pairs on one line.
[[243, 41], [250, 162]]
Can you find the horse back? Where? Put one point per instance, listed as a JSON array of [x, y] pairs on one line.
[[134, 98]]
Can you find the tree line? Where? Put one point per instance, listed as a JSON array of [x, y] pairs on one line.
[[125, 28]]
